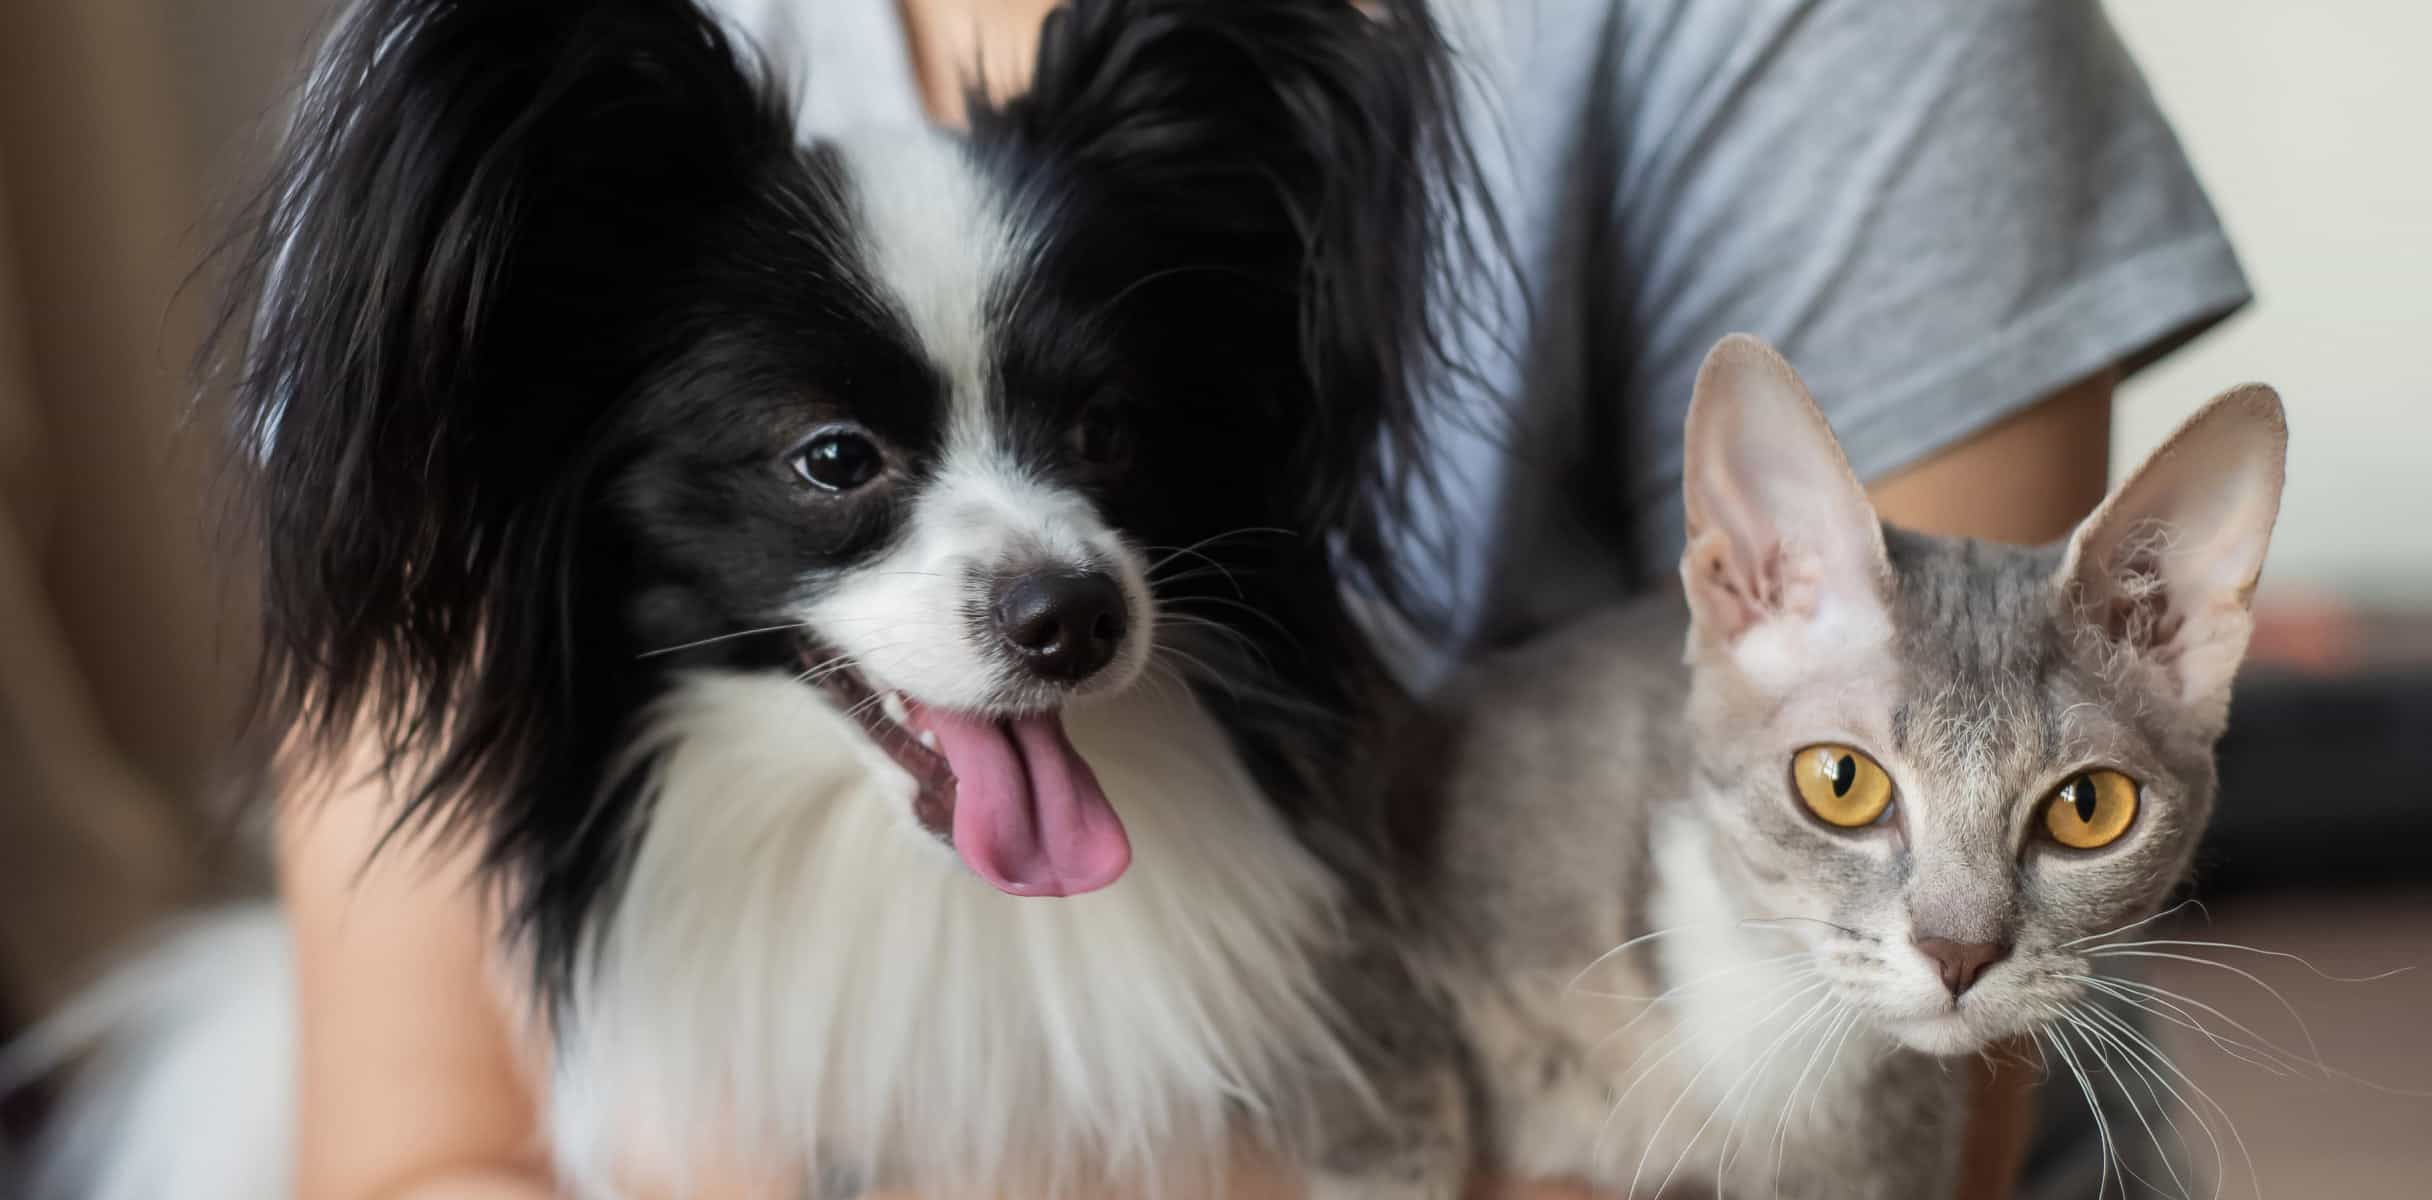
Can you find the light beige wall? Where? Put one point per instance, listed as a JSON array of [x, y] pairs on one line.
[[122, 640], [110, 703], [234, 60], [2312, 124]]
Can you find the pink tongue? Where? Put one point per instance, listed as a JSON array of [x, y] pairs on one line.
[[1028, 815]]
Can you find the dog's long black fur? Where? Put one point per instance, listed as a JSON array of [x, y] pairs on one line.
[[519, 324]]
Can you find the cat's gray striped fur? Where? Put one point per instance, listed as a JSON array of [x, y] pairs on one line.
[[1627, 783]]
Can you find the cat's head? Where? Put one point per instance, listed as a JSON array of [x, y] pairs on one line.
[[1952, 765]]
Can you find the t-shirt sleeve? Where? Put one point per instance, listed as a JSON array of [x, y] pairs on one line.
[[1940, 210]]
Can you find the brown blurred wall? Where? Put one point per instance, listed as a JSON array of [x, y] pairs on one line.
[[122, 626]]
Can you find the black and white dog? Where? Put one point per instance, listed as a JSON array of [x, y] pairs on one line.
[[793, 565]]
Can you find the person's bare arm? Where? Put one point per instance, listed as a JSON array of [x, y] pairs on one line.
[[414, 1082], [408, 1087], [2029, 479]]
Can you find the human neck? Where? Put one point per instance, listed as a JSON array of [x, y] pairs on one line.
[[953, 41]]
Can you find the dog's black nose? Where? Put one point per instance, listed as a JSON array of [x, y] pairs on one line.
[[1063, 625]]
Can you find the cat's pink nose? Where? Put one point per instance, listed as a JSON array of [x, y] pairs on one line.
[[1961, 963]]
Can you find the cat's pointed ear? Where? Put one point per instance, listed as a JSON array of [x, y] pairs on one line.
[[2165, 570], [1779, 529]]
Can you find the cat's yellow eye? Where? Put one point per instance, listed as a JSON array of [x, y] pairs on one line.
[[1841, 785], [2092, 810]]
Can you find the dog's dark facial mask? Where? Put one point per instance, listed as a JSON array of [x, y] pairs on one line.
[[835, 470]]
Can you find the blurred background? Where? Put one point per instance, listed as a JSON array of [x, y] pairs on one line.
[[123, 123]]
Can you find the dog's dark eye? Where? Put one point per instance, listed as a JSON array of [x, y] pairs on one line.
[[1098, 436], [838, 460]]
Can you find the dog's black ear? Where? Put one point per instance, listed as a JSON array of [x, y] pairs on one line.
[[446, 284], [1300, 166]]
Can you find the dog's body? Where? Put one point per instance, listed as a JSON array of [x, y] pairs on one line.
[[787, 565], [904, 1009]]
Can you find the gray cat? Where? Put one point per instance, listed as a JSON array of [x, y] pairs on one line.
[[1855, 805]]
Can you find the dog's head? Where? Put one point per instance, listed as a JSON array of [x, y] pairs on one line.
[[566, 367]]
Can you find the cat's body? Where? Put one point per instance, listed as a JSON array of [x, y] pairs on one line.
[[1725, 888], [1576, 835]]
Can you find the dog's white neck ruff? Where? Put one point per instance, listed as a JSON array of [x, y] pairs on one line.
[[794, 970]]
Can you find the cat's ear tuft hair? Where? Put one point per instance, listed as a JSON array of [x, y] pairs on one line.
[[2165, 571], [1779, 528]]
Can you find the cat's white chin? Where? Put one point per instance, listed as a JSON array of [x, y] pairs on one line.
[[1943, 1034]]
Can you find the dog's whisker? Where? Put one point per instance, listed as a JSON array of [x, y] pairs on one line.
[[723, 637], [1185, 624], [1181, 607], [1213, 539], [1213, 567]]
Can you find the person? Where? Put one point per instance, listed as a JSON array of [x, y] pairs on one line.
[[1965, 220]]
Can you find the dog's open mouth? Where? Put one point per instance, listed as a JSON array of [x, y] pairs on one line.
[[1009, 793]]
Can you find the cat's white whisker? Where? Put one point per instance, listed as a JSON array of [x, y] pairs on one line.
[[2055, 1037], [2300, 960], [2154, 1057], [1641, 939], [2121, 990], [1809, 920], [1701, 981], [1680, 1039], [1839, 1044], [1843, 1015], [2174, 909], [2135, 1047], [2095, 1038], [1687, 1089], [1749, 1079], [2270, 1049], [2313, 1047]]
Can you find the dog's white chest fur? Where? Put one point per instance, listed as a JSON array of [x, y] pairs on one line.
[[793, 969]]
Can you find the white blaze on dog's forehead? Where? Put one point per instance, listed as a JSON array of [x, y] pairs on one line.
[[940, 247]]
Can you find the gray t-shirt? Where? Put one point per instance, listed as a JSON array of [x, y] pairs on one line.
[[1940, 210]]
